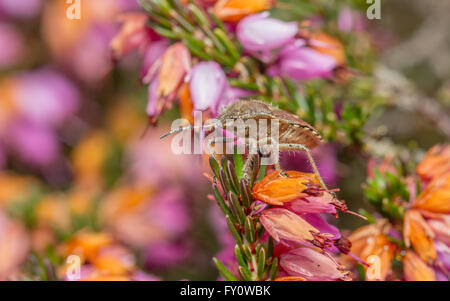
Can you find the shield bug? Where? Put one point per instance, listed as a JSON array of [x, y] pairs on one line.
[[293, 133]]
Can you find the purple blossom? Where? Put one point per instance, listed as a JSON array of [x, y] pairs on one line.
[[303, 63], [207, 85], [46, 97], [260, 33], [34, 144]]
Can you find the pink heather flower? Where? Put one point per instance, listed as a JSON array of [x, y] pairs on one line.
[[152, 99], [34, 144], [12, 46], [134, 34], [443, 254], [322, 225], [207, 85], [312, 265], [313, 204], [260, 33], [20, 9], [349, 20], [288, 228], [149, 66], [299, 62], [46, 97]]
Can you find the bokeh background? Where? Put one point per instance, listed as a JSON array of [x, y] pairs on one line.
[[79, 169]]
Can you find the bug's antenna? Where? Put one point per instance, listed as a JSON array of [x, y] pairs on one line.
[[190, 127]]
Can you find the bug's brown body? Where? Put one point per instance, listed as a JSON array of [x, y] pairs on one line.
[[294, 133], [292, 130]]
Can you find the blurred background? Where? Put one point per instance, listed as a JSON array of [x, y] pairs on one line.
[[77, 171]]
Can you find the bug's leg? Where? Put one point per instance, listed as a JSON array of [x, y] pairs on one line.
[[290, 146], [264, 143], [250, 158], [217, 140]]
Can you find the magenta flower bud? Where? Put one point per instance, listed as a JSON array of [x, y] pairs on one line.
[[261, 33], [207, 85], [303, 63]]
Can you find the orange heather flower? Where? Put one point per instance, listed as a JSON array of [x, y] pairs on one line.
[[186, 105], [290, 278], [415, 269], [435, 163], [277, 188], [369, 240], [87, 244], [327, 44], [235, 10], [176, 62], [436, 196], [133, 34], [418, 233]]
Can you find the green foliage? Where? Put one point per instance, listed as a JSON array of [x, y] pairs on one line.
[[388, 192]]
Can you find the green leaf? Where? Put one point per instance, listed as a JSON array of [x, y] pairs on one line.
[[273, 269], [222, 203], [238, 164], [226, 274]]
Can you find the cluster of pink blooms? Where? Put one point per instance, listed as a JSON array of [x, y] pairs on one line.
[[167, 68]]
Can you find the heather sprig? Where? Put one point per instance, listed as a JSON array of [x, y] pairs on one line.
[[232, 192], [258, 54]]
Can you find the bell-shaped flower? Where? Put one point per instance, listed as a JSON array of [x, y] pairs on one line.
[[435, 197], [414, 269], [235, 10], [435, 163], [290, 229], [207, 85], [133, 34], [370, 240], [176, 62], [261, 33], [304, 63], [312, 265], [151, 62], [278, 187]]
